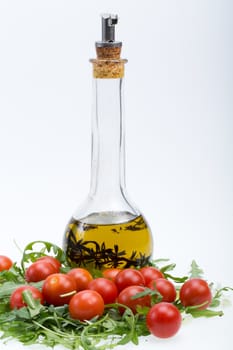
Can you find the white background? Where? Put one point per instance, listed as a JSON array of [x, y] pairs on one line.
[[179, 130]]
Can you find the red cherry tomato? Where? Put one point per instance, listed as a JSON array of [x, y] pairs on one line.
[[81, 276], [85, 305], [39, 270], [195, 292], [16, 299], [129, 277], [58, 289], [106, 288], [150, 273], [111, 273], [5, 263], [125, 298], [163, 320], [55, 262], [165, 288]]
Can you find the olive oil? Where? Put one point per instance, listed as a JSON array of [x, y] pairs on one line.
[[123, 244]]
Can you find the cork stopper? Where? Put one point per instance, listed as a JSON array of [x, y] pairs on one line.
[[108, 63]]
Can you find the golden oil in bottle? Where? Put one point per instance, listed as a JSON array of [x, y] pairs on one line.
[[124, 244]]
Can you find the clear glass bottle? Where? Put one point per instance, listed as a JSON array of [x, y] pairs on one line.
[[108, 230]]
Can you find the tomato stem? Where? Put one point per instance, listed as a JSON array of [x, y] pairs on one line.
[[68, 294]]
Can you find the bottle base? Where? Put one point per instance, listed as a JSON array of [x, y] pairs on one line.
[[125, 244]]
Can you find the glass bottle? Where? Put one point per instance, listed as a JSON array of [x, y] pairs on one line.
[[108, 230]]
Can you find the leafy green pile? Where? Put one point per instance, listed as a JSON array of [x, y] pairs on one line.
[[50, 325]]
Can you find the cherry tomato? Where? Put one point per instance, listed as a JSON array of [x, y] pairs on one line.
[[195, 292], [39, 270], [85, 305], [5, 263], [165, 288], [150, 273], [111, 273], [125, 298], [58, 289], [106, 288], [129, 277], [163, 320], [81, 276], [55, 262], [16, 299]]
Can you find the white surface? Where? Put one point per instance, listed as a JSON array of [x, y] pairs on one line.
[[179, 129]]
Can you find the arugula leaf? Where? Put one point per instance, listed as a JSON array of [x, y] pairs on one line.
[[171, 267], [7, 288], [147, 291], [34, 306], [43, 248], [168, 267], [196, 271], [195, 312], [14, 274], [175, 278], [156, 262], [216, 301]]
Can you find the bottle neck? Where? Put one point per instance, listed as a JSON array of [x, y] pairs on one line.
[[108, 153], [107, 201]]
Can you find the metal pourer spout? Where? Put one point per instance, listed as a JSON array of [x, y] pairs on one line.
[[108, 27], [108, 31]]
